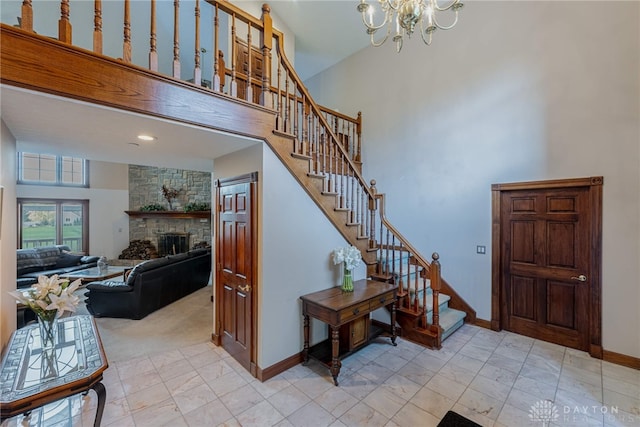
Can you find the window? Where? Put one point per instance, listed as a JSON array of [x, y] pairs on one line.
[[49, 169], [46, 222]]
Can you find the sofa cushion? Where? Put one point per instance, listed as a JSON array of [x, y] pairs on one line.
[[25, 282], [147, 265], [67, 260], [109, 286], [48, 255], [27, 259]]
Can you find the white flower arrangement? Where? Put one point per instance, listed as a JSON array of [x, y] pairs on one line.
[[350, 255], [50, 297]]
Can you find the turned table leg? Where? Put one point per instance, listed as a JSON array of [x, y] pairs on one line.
[[305, 351], [393, 323], [335, 351]]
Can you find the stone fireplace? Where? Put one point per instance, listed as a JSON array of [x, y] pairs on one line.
[[174, 228]]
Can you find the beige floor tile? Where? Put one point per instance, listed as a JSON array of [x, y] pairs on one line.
[[148, 397], [363, 415], [241, 399], [159, 414], [227, 383], [211, 414], [289, 400], [416, 373], [538, 389], [491, 387], [336, 401], [457, 373], [259, 415], [432, 402], [411, 415], [481, 403], [271, 386], [385, 401], [194, 398], [447, 387], [311, 415], [474, 415]]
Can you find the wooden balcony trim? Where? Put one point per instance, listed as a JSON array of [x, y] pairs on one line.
[[46, 65]]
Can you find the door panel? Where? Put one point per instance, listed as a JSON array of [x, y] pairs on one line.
[[546, 243], [235, 270]]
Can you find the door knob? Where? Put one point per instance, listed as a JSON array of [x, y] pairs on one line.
[[580, 278], [245, 288]]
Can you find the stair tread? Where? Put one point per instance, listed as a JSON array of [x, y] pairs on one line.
[[450, 317]]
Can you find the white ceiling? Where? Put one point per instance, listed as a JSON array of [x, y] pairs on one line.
[[326, 31]]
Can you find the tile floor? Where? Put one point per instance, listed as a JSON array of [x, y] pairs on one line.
[[496, 379]]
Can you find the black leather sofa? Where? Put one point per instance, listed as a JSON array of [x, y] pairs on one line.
[[150, 285], [47, 261]]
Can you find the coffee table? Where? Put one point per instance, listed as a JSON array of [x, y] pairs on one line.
[[94, 274], [31, 377]]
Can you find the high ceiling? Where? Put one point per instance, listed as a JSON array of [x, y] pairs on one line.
[[326, 32]]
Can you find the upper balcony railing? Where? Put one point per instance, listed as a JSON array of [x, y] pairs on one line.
[[178, 39]]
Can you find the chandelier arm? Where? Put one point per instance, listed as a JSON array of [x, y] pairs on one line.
[[422, 33], [449, 6], [374, 27], [448, 27], [386, 36]]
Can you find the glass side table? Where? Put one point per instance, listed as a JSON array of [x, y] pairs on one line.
[[31, 378]]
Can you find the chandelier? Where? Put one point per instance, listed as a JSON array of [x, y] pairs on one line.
[[405, 15]]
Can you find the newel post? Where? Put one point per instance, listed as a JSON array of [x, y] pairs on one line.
[[266, 43], [359, 135], [435, 288]]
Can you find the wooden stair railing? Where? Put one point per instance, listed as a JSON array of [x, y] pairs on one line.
[[322, 148]]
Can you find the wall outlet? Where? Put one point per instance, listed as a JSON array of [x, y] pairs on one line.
[[481, 249]]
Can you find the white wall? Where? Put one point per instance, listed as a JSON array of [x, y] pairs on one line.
[[108, 197], [8, 233], [295, 241], [517, 91]]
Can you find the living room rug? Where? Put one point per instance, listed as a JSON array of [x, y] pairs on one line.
[[452, 419], [183, 323]]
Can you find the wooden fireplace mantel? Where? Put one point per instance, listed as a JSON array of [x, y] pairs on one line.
[[169, 214]]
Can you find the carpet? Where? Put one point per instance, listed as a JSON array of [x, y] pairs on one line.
[[183, 323], [451, 419]]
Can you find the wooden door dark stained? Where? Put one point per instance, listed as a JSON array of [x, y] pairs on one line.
[[547, 277], [235, 282]]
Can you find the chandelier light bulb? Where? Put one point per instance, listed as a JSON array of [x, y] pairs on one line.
[[406, 15]]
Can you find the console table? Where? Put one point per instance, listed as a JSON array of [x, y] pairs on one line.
[[31, 378], [337, 309]]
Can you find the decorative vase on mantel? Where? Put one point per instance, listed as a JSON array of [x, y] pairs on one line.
[[347, 281]]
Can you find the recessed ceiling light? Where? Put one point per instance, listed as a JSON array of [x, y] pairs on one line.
[[143, 137], [133, 144]]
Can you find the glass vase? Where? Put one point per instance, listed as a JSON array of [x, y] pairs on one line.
[[48, 332], [347, 281]]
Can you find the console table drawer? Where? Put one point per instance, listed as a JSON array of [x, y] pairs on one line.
[[381, 301], [353, 312]]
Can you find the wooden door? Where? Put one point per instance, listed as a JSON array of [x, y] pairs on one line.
[[235, 285], [549, 251], [244, 68]]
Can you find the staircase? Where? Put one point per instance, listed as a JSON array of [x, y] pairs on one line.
[[320, 148]]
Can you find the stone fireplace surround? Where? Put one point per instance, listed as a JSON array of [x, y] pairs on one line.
[[145, 188]]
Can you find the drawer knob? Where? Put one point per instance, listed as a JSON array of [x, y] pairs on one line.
[[356, 311], [382, 300]]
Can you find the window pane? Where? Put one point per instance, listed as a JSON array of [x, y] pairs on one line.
[[72, 226], [47, 168], [38, 224], [72, 170]]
